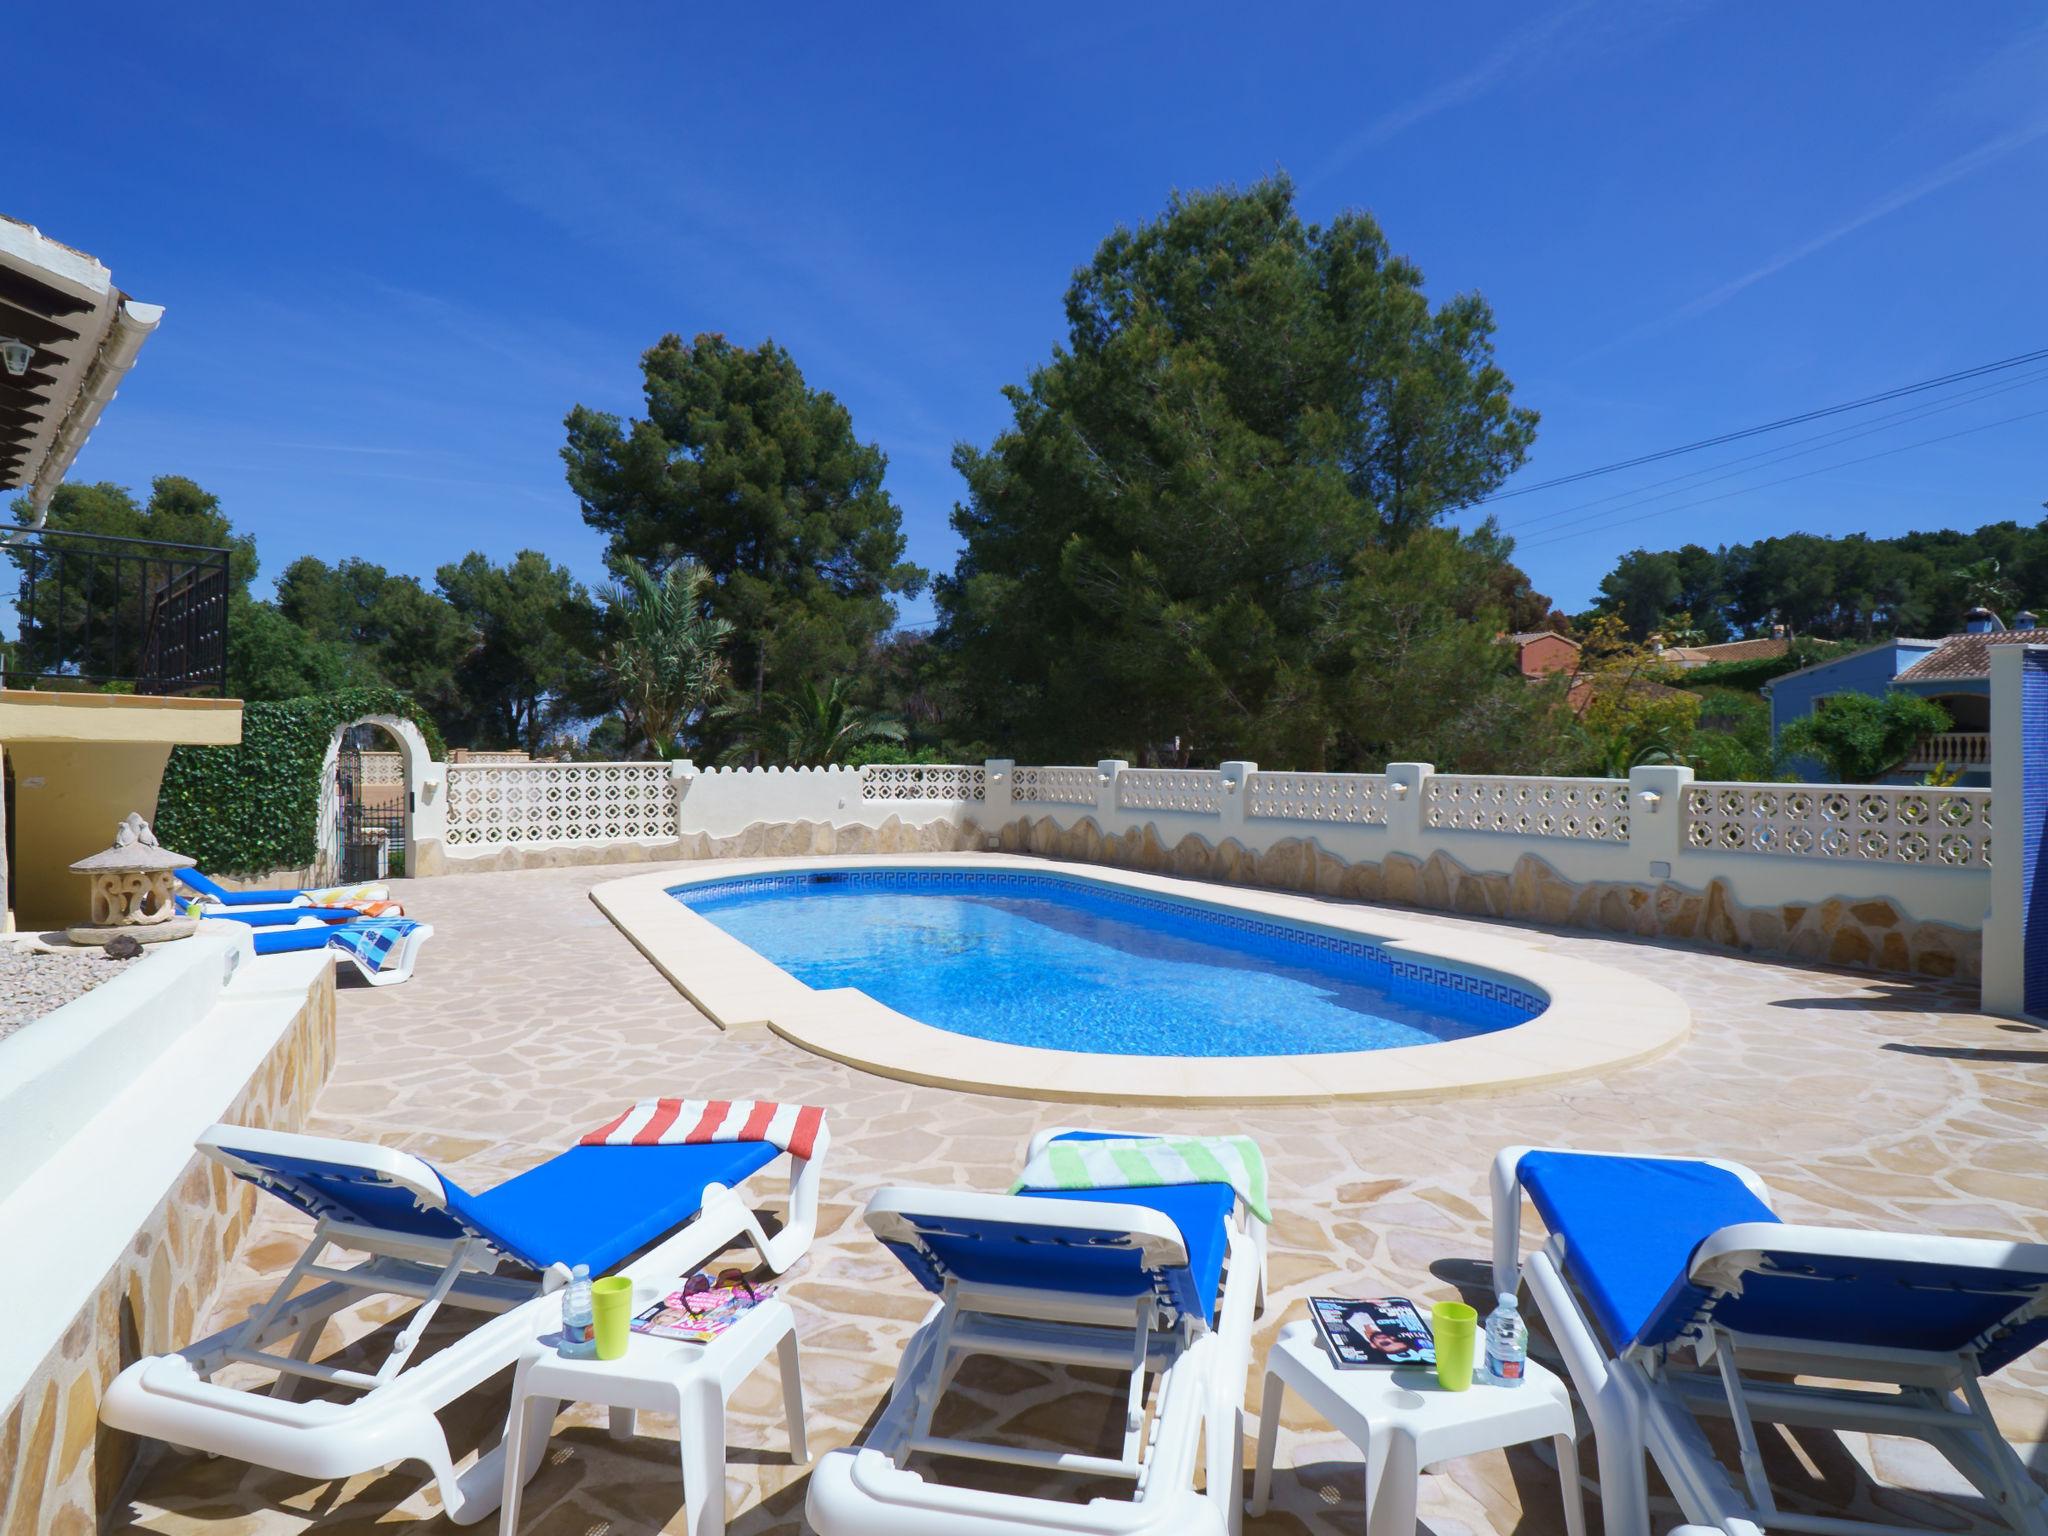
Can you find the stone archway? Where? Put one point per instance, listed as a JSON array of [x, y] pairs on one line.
[[420, 781]]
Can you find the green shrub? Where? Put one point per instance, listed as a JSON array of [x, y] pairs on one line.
[[243, 810], [1749, 676]]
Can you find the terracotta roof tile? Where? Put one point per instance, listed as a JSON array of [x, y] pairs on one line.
[[1968, 655], [1729, 650]]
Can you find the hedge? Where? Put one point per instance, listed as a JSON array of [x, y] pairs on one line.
[[1750, 676], [256, 807]]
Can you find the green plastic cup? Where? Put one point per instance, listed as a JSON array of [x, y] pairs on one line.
[[1456, 1327], [611, 1310]]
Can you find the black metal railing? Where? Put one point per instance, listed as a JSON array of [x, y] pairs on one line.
[[93, 609]]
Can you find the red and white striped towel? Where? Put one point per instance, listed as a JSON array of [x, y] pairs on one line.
[[693, 1122]]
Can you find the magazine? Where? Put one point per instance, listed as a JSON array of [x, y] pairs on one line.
[[1373, 1330], [716, 1310]]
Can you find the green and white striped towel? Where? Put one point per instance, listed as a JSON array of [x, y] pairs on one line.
[[1142, 1162]]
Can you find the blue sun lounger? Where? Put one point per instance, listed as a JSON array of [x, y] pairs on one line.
[[276, 917], [1675, 1292], [503, 1251], [213, 893], [1161, 1281], [382, 949]]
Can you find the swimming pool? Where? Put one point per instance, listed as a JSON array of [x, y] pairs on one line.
[[1066, 964]]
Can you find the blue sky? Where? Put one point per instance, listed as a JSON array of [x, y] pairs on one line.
[[396, 247]]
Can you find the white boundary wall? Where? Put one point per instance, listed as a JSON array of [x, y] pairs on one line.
[[488, 813], [1926, 850]]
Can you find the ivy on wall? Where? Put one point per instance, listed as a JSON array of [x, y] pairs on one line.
[[256, 807]]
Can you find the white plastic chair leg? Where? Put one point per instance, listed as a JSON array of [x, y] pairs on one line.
[[793, 1396], [1269, 1439], [1390, 1485], [1624, 1477], [1568, 1476], [700, 1419]]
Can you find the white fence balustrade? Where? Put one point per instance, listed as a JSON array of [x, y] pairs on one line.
[[1958, 749], [1592, 810], [1873, 823], [923, 781], [1357, 798], [1199, 790], [1056, 786], [492, 803]]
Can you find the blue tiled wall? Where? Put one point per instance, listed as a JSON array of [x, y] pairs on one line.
[[2033, 809]]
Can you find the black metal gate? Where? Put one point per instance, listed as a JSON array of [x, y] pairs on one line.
[[372, 804]]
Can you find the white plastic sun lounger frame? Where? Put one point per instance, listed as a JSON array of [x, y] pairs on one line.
[[1650, 1398], [1198, 1413], [389, 975], [173, 1398]]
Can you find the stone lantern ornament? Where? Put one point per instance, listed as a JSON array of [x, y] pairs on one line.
[[134, 886]]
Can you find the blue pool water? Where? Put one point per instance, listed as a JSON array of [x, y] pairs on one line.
[[1070, 965]]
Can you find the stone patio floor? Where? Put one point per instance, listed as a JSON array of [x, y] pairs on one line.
[[1863, 1101]]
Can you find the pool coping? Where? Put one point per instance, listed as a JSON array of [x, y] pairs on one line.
[[1599, 1018]]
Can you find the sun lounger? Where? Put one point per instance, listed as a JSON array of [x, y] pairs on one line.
[[276, 917], [503, 1252], [1162, 1281], [381, 949], [210, 893], [1675, 1293]]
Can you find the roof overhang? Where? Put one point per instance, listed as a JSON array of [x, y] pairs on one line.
[[86, 334]]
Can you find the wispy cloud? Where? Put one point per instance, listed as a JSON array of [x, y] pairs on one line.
[[1522, 51], [1899, 197], [361, 448]]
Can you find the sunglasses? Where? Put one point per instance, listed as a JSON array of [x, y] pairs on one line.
[[702, 1284]]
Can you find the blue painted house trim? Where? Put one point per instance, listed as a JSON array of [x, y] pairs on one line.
[[1868, 671]]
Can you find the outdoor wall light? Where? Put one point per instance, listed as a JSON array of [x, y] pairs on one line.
[[1652, 799], [16, 354], [1401, 791]]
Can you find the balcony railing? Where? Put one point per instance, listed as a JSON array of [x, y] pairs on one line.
[[94, 610], [1958, 749]]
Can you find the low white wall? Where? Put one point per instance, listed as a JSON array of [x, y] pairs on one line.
[[724, 802], [60, 1071], [510, 815], [1907, 868], [1605, 830]]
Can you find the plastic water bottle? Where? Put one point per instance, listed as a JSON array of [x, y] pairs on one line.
[[1507, 1345], [579, 1326]]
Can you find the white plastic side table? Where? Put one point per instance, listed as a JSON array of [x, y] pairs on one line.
[[1403, 1421], [691, 1381]]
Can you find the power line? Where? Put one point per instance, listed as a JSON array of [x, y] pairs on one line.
[[1774, 426], [1883, 453], [1798, 448]]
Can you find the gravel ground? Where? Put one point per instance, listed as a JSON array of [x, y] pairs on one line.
[[34, 982]]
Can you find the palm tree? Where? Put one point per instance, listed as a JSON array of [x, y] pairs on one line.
[[808, 725], [667, 662]]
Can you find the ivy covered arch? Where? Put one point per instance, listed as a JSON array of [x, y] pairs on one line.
[[258, 807]]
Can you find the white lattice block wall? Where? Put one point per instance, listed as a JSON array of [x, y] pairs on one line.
[[1870, 823], [1592, 810], [559, 803], [1056, 786], [1199, 790], [383, 767], [1359, 799], [923, 781]]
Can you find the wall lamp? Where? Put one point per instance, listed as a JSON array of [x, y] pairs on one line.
[[16, 355]]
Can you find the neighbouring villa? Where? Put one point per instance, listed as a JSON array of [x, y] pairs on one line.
[[993, 1148], [1954, 673]]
